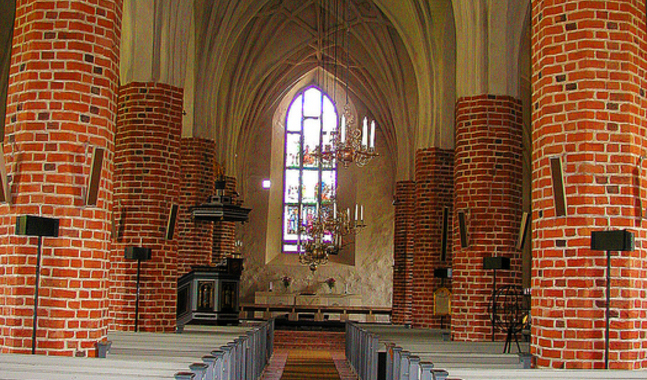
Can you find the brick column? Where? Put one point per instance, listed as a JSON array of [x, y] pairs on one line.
[[404, 229], [488, 182], [195, 237], [434, 191], [147, 182], [589, 110], [61, 104], [224, 233]]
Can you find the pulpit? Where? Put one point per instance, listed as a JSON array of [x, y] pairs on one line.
[[209, 294]]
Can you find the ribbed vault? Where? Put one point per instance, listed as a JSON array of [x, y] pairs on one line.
[[251, 53]]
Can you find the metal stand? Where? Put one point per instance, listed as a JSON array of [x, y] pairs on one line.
[[493, 303], [607, 312], [139, 265], [36, 286]]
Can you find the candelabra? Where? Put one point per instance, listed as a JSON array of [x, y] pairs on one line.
[[325, 236], [351, 144]]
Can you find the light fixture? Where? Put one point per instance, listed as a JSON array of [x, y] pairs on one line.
[[349, 144], [266, 184], [326, 233]]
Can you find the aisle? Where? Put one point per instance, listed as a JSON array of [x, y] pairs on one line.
[[300, 364]]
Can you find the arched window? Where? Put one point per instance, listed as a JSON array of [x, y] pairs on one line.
[[308, 183]]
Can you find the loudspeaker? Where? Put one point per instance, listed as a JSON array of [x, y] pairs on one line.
[[462, 229], [497, 262], [443, 237], [5, 189], [523, 229], [92, 192], [443, 272], [138, 253], [559, 194], [29, 225], [170, 224], [619, 240]]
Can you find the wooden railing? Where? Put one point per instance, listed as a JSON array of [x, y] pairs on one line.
[[248, 311]]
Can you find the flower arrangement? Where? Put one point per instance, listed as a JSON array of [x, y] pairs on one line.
[[330, 282], [286, 281]]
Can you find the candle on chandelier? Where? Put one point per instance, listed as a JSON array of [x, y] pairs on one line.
[[373, 134], [334, 210], [356, 213], [361, 214], [342, 137], [365, 133]]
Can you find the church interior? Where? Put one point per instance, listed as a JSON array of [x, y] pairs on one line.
[[415, 162]]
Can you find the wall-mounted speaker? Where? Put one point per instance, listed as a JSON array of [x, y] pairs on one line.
[[523, 230], [559, 194], [462, 229], [443, 272], [443, 237], [5, 189], [618, 240], [29, 225], [496, 262], [94, 182], [138, 253], [170, 224]]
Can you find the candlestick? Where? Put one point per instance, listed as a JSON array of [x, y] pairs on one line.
[[365, 133], [373, 134]]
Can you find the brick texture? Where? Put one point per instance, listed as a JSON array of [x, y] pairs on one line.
[[195, 237], [405, 196], [589, 109], [434, 190], [61, 104], [147, 182], [488, 182], [224, 233]]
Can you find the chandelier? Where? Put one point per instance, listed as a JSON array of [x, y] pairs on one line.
[[325, 235]]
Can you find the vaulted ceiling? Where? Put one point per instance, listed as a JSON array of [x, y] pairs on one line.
[[249, 54]]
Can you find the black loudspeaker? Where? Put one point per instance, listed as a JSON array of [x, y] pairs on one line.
[[138, 253], [92, 192], [523, 230], [619, 240], [462, 229], [170, 224], [5, 189], [443, 272], [29, 225], [559, 194], [443, 237], [496, 262]]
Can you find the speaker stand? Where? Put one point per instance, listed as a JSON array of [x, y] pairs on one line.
[[139, 265], [36, 286]]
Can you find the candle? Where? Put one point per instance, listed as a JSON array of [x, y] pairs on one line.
[[361, 215], [356, 213], [334, 210], [365, 133], [373, 134], [271, 286], [343, 129]]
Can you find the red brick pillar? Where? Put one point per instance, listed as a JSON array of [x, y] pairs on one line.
[[224, 233], [589, 110], [147, 182], [405, 202], [434, 192], [195, 237], [61, 104], [488, 182]]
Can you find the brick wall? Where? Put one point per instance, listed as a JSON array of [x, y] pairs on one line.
[[588, 108], [488, 178], [404, 229], [147, 182], [224, 233], [195, 237], [433, 192], [61, 103]]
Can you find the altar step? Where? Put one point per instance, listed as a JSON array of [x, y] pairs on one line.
[[310, 340]]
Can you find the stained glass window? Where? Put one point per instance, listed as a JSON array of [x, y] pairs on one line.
[[309, 183]]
